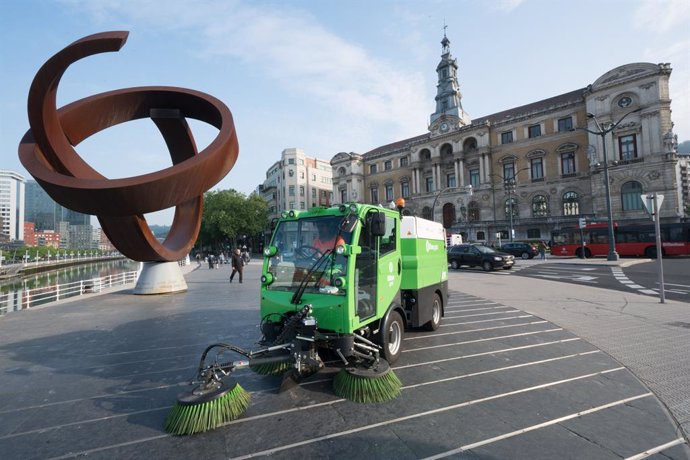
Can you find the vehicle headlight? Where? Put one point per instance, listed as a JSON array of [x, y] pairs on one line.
[[498, 259], [340, 250]]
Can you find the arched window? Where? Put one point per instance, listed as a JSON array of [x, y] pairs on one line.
[[511, 206], [446, 150], [571, 204], [630, 195], [374, 194], [426, 213], [540, 207], [425, 155], [469, 144], [473, 211], [405, 188]]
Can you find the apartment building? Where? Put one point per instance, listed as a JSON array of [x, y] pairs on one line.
[[297, 181]]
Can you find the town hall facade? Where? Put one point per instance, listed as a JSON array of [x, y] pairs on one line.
[[532, 168]]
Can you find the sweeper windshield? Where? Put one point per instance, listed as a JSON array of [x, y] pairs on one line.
[[307, 255]]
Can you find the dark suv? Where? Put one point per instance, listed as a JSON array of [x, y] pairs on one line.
[[475, 255], [520, 249]]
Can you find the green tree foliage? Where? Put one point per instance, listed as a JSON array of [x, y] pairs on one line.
[[229, 214]]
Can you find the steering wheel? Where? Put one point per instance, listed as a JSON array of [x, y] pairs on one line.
[[307, 252]]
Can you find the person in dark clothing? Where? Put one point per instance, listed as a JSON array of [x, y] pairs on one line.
[[237, 265]]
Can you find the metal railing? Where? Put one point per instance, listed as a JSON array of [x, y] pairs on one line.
[[25, 299]]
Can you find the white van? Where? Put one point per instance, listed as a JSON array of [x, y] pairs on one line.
[[452, 239]]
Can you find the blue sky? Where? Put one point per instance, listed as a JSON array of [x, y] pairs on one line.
[[327, 76]]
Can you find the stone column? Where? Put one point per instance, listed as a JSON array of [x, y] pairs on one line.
[[482, 177], [461, 173]]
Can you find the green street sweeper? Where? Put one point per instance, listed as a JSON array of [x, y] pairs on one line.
[[339, 284]]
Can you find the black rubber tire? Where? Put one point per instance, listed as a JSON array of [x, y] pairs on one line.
[[436, 312], [588, 253], [487, 266], [650, 252], [525, 255], [391, 337], [578, 253], [454, 264]]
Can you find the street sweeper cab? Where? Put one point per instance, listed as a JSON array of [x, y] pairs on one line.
[[339, 286], [382, 273]]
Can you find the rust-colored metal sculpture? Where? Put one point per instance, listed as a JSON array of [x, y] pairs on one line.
[[47, 152]]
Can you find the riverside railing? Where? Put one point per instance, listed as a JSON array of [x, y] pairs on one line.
[[23, 299]]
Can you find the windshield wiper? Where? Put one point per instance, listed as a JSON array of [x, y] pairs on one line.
[[297, 296]]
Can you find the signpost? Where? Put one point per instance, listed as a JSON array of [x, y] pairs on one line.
[[582, 223], [652, 202]]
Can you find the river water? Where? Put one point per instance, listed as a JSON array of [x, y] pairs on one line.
[[13, 288]]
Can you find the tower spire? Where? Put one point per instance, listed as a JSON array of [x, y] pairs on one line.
[[448, 96]]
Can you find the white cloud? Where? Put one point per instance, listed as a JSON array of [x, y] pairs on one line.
[[507, 6], [294, 50], [661, 15]]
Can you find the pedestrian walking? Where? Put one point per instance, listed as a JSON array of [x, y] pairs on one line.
[[542, 251], [237, 265]]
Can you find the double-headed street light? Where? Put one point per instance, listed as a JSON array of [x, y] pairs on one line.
[[603, 130]]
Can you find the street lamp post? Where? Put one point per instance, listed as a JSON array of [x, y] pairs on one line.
[[603, 131], [509, 186]]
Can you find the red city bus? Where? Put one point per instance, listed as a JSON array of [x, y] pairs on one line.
[[631, 240]]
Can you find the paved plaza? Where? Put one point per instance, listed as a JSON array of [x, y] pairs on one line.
[[521, 368]]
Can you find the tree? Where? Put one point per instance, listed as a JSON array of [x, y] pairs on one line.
[[227, 215], [684, 147]]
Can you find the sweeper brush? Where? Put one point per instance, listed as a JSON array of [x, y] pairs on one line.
[[207, 407], [367, 385]]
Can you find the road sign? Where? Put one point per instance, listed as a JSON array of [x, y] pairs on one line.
[[582, 222], [648, 201]]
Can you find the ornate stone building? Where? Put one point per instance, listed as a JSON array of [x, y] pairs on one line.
[[530, 168]]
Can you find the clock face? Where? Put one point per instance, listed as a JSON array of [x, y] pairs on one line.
[[444, 127], [624, 101]]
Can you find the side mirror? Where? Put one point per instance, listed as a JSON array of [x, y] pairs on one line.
[[378, 224], [274, 224]]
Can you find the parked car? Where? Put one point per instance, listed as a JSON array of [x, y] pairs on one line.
[[476, 255], [520, 249]]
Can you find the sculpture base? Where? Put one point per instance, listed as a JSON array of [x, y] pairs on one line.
[[160, 278]]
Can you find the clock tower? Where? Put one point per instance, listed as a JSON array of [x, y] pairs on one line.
[[449, 114]]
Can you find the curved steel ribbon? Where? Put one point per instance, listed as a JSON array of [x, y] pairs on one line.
[[47, 152]]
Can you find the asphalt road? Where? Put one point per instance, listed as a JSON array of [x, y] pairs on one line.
[[640, 277]]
